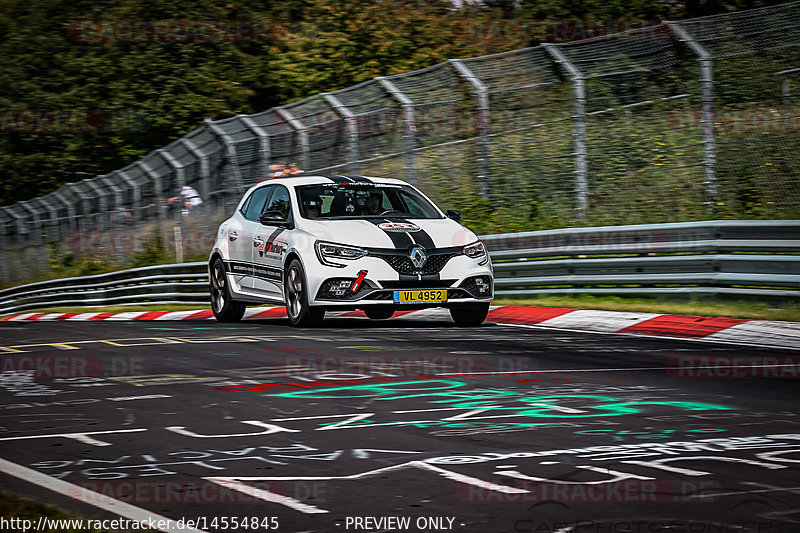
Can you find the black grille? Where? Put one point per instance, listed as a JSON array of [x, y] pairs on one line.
[[403, 265], [417, 284]]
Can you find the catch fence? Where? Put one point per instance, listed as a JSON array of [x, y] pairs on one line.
[[680, 121]]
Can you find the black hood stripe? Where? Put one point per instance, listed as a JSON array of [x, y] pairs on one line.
[[400, 240], [421, 237]]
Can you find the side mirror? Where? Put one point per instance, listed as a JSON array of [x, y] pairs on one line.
[[274, 218], [454, 215]]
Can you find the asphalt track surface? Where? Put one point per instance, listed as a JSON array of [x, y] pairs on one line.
[[401, 425]]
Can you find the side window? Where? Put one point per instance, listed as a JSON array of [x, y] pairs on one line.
[[255, 204], [279, 201]]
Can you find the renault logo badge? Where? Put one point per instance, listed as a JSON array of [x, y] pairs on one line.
[[418, 257]]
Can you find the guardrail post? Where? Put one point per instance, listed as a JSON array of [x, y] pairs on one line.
[[579, 130], [302, 134], [409, 127], [483, 124], [230, 150], [705, 60], [264, 148], [351, 123]]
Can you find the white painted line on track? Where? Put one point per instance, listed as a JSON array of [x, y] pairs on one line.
[[235, 483], [91, 497], [82, 436], [267, 496]]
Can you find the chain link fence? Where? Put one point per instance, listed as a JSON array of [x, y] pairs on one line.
[[681, 121]]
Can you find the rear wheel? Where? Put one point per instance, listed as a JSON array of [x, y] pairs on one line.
[[379, 313], [223, 306], [295, 295], [469, 314]]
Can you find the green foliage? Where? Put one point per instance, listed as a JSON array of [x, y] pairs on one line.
[[153, 253]]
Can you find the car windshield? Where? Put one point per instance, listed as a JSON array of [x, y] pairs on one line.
[[362, 200]]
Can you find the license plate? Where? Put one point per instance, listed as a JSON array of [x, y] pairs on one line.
[[420, 297]]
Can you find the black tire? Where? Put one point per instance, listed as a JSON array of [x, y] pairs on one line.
[[379, 313], [224, 307], [466, 315], [296, 297]]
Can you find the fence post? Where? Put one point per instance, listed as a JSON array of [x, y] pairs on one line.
[[483, 123], [205, 179], [136, 209], [264, 149], [351, 123], [5, 270], [157, 190], [786, 86], [181, 174], [409, 127], [707, 101], [230, 150], [579, 129], [302, 134]]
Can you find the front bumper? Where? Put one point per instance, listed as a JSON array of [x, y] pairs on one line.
[[464, 279]]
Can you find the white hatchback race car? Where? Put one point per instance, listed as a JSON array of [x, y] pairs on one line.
[[339, 243]]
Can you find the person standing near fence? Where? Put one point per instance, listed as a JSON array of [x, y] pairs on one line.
[[191, 199]]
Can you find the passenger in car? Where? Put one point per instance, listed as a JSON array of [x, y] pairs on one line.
[[312, 207]]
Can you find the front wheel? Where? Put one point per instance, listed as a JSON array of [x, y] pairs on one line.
[[465, 315], [223, 306], [295, 295]]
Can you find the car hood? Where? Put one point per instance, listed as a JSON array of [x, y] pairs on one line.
[[440, 233]]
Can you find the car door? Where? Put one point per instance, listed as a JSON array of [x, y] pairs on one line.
[[250, 226], [269, 247]]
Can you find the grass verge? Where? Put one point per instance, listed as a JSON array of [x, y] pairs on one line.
[[12, 506]]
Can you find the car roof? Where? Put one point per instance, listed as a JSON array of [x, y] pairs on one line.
[[323, 179]]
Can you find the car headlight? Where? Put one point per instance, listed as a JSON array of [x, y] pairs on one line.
[[327, 251], [475, 250]]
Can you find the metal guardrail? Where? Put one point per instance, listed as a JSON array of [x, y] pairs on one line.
[[747, 258]]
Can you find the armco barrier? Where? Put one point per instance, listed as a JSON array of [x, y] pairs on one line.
[[748, 258]]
